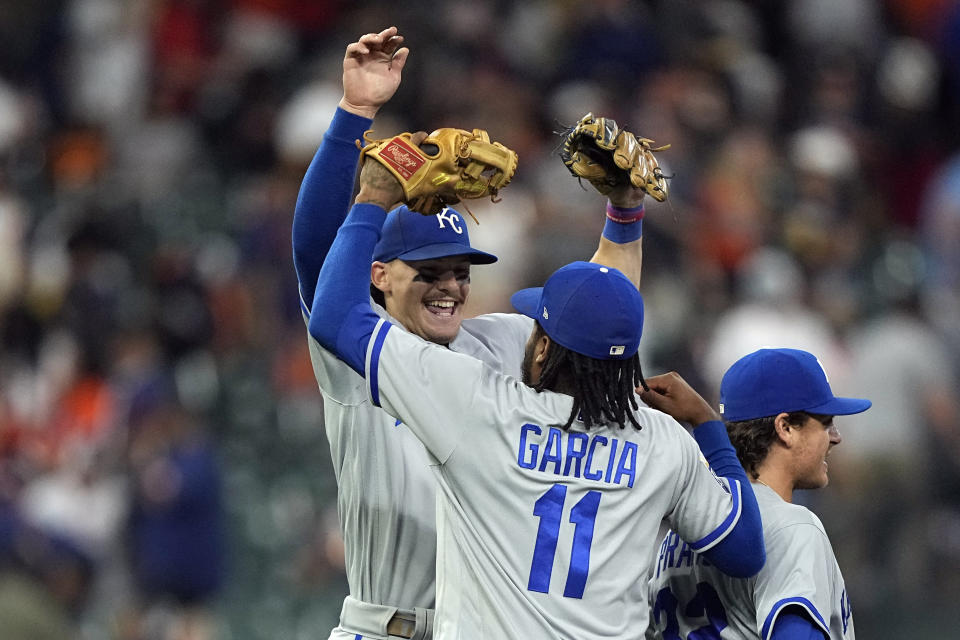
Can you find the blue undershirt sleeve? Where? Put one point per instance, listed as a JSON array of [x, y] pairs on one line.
[[741, 553], [791, 624], [344, 320], [324, 198]]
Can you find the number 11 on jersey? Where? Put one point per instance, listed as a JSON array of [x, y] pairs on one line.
[[583, 515]]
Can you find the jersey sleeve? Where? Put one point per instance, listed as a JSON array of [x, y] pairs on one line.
[[798, 573], [707, 508], [324, 199], [436, 392]]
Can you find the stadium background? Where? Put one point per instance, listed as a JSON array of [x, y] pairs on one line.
[[154, 379]]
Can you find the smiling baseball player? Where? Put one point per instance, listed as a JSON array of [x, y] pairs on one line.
[[549, 497], [420, 281], [779, 411]]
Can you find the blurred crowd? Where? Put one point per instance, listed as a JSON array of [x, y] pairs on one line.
[[163, 469]]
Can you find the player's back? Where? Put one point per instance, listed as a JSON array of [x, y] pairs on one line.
[[688, 595], [542, 532]]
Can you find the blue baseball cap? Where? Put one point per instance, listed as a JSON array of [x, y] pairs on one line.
[[772, 381], [408, 235], [588, 308]]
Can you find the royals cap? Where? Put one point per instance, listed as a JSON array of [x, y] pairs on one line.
[[408, 235], [587, 308], [772, 381]]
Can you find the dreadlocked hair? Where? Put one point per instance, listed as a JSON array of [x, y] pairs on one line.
[[603, 389], [753, 438]]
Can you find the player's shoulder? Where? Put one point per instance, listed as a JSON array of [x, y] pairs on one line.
[[661, 425], [782, 518], [489, 323]]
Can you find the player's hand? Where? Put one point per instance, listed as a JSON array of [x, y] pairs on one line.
[[379, 186], [672, 395], [371, 71], [626, 196]]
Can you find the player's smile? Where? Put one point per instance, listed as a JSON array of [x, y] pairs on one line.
[[427, 296]]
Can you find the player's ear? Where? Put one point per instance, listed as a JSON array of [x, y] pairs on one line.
[[380, 276], [784, 430], [542, 349]]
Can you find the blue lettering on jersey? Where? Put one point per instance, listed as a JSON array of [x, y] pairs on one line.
[[551, 452], [593, 475], [576, 450], [522, 459], [627, 467], [672, 558], [577, 455], [845, 611]]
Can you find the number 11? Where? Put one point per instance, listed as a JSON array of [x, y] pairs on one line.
[[549, 508]]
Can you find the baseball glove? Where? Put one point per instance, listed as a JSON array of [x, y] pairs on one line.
[[599, 151], [450, 165]]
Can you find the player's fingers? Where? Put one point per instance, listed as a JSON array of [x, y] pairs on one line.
[[370, 38], [391, 44], [387, 33], [356, 49], [655, 399], [662, 382], [399, 59], [417, 137]]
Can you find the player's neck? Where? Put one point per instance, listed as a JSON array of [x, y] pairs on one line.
[[780, 484]]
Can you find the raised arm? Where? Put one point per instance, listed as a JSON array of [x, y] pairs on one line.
[[621, 245], [622, 167], [741, 553], [343, 288], [372, 69]]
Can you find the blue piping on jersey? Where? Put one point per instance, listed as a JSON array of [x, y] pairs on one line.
[[729, 522], [380, 333], [347, 321], [781, 604]]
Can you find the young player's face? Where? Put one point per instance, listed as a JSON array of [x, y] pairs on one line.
[[427, 296], [816, 437]]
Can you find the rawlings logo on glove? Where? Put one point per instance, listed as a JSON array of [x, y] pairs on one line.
[[450, 165], [599, 151]]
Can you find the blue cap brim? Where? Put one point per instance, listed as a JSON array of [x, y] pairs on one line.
[[841, 407], [448, 250], [527, 301]]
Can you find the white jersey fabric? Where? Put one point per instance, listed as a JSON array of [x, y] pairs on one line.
[[542, 532], [386, 494], [687, 594]]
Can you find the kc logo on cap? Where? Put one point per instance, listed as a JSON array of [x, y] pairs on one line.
[[452, 218], [408, 235]]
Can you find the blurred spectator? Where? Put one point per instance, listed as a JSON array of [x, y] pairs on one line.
[[176, 529], [900, 468], [150, 153]]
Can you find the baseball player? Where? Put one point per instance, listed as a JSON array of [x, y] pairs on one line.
[[779, 409], [550, 495], [420, 281]]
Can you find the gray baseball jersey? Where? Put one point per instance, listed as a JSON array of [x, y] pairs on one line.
[[542, 532], [386, 494], [691, 599]]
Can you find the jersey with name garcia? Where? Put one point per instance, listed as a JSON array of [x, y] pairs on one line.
[[691, 599], [542, 532], [386, 494]]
